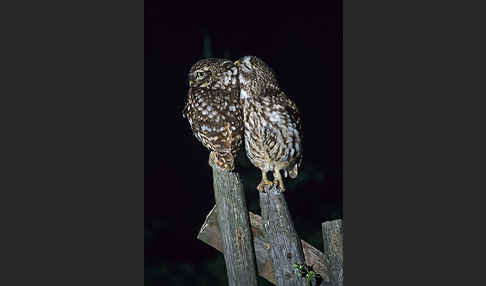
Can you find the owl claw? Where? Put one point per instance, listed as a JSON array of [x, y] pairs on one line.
[[280, 184], [263, 183], [277, 181]]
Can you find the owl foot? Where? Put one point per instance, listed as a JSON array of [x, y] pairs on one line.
[[278, 180], [265, 182]]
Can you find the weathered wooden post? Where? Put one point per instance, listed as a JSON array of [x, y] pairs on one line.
[[333, 235], [285, 245], [233, 220]]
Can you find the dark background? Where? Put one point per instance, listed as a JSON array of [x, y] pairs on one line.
[[304, 47]]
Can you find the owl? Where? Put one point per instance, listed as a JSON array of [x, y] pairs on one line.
[[213, 110], [272, 124]]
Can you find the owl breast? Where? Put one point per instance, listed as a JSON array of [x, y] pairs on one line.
[[215, 118]]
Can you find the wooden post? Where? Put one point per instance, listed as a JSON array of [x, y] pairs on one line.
[[333, 234], [284, 243], [234, 224]]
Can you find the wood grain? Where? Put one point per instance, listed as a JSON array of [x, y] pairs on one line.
[[234, 227]]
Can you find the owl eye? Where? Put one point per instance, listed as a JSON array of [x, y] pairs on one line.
[[247, 65], [200, 75]]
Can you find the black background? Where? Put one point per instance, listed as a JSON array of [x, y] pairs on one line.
[[304, 47]]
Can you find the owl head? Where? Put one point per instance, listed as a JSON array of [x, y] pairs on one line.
[[213, 73], [255, 76]]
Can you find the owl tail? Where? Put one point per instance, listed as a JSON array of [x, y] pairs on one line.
[[294, 171], [225, 161]]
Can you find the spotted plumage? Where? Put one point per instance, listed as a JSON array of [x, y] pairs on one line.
[[272, 124], [213, 110]]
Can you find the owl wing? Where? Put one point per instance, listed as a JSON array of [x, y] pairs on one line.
[[287, 106], [291, 108], [294, 113], [186, 108]]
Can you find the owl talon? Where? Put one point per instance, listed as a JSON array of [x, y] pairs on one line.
[[264, 182], [281, 185], [278, 180]]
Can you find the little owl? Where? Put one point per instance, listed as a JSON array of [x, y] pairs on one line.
[[213, 109], [272, 124]]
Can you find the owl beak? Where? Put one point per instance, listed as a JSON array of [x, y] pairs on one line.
[[237, 63], [190, 83]]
